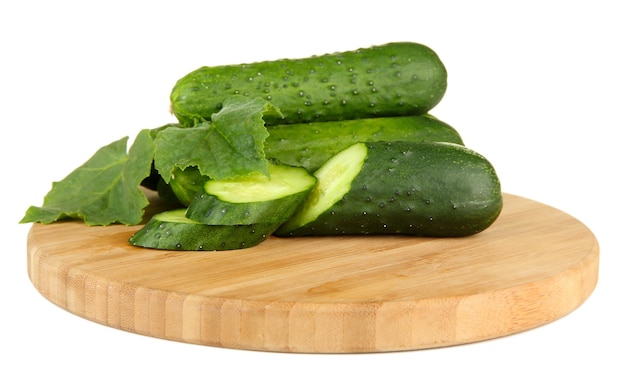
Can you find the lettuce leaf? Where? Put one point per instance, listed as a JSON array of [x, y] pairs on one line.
[[104, 190]]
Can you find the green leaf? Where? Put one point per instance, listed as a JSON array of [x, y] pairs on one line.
[[104, 190], [230, 145]]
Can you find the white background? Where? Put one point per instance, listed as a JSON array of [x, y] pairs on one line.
[[538, 87]]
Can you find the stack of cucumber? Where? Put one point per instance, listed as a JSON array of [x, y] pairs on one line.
[[353, 151]]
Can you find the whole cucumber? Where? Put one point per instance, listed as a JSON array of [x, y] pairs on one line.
[[398, 78]]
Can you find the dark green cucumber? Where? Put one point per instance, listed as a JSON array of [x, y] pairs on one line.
[[414, 188], [187, 183], [253, 199], [171, 230], [310, 145], [398, 78]]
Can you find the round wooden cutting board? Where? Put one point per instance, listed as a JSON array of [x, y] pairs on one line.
[[534, 265]]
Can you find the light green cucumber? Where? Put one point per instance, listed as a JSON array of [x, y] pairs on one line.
[[310, 145], [413, 188], [253, 199], [398, 78], [171, 230]]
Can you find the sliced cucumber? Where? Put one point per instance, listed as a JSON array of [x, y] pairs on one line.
[[333, 182], [414, 188], [171, 230], [311, 145], [253, 199]]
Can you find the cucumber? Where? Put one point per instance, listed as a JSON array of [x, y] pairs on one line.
[[398, 78], [229, 214], [171, 230], [310, 145], [187, 183], [253, 199], [415, 188]]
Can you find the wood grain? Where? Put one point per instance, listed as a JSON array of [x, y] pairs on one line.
[[534, 265]]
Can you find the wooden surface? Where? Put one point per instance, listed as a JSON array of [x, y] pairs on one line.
[[332, 294]]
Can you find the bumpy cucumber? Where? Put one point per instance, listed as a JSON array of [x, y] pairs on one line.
[[310, 145], [171, 230], [399, 78], [253, 199], [424, 189], [187, 183]]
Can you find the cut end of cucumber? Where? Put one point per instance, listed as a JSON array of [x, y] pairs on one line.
[[172, 230], [174, 216], [334, 179], [283, 181]]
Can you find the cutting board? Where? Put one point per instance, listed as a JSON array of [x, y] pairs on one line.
[[534, 265]]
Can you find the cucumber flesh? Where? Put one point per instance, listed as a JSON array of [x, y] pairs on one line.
[[253, 199], [283, 181], [333, 181], [171, 230]]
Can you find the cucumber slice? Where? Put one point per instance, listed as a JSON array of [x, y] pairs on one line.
[[414, 188], [171, 230], [253, 199], [333, 182]]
